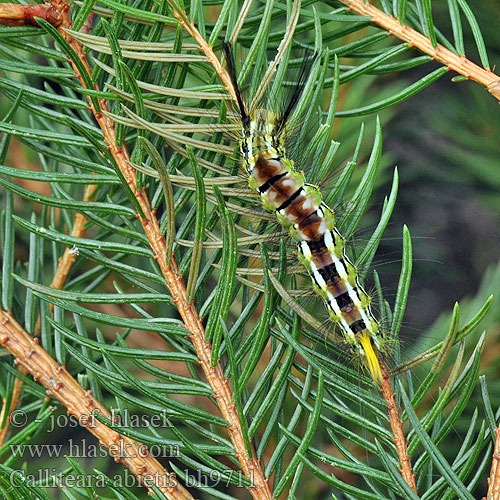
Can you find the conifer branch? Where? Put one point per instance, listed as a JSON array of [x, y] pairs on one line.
[[81, 405], [215, 375], [32, 359], [397, 429], [66, 262], [452, 61]]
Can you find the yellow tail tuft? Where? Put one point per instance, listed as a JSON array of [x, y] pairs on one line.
[[371, 361]]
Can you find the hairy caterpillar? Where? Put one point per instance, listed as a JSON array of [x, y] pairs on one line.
[[311, 223]]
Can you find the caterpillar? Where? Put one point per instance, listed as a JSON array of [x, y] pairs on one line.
[[298, 206]]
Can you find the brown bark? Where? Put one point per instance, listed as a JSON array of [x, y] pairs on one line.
[[397, 429], [452, 61], [81, 404], [12, 14]]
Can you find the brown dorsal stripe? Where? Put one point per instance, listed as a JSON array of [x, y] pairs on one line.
[[328, 273], [358, 326], [312, 219], [322, 259], [267, 168], [351, 314], [336, 286], [296, 208], [317, 246], [310, 227], [289, 200], [270, 182], [344, 300]]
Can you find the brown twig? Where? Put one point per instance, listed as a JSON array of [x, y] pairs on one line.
[[189, 26], [454, 62], [494, 479], [250, 465], [175, 284], [14, 401], [397, 429], [68, 259], [12, 14], [81, 404]]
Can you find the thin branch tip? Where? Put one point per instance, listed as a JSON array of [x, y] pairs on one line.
[[397, 429], [455, 62]]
